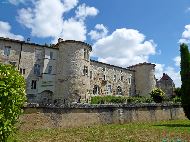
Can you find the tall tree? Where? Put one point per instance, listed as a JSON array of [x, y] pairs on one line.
[[185, 78]]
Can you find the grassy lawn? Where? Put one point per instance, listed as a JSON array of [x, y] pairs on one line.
[[175, 131]]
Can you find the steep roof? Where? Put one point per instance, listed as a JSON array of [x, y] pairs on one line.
[[165, 77]]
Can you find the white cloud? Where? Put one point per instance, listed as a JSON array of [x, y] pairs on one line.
[[124, 47], [175, 75], [83, 11], [185, 35], [72, 29], [46, 19], [5, 31], [100, 32], [177, 61], [16, 2]]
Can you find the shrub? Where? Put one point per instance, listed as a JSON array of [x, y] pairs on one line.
[[12, 98], [139, 99], [178, 91], [177, 99], [158, 95], [108, 99], [119, 99]]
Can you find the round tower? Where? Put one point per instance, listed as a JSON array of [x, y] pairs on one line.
[[72, 77], [145, 79]]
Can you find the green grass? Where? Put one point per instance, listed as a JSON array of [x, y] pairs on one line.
[[170, 131]]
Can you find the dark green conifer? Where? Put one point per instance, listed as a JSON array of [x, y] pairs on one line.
[[185, 78]]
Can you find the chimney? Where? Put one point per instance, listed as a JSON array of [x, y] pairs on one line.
[[60, 40]]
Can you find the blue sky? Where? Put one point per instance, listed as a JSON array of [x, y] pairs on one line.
[[122, 32]]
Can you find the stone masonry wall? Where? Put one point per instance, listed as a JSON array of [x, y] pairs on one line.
[[145, 79], [71, 82], [44, 117], [111, 80]]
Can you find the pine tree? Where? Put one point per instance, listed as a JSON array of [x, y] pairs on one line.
[[185, 78]]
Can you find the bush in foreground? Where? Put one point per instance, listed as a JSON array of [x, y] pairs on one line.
[[12, 98], [158, 95]]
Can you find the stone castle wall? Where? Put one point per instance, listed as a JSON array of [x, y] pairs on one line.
[[73, 83], [74, 77], [111, 80], [43, 118], [145, 79]]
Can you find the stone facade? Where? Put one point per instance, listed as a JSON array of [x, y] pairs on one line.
[[167, 85], [49, 117], [64, 73]]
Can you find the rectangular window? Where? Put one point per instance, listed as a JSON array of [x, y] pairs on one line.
[[7, 50], [36, 69], [49, 69], [85, 70], [104, 77], [33, 85], [103, 69], [22, 71], [109, 89], [129, 80], [51, 55], [121, 78], [90, 74], [86, 54]]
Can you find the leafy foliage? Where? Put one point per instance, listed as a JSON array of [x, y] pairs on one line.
[[12, 98], [139, 99], [119, 99], [185, 78], [178, 91], [158, 95], [176, 99], [107, 99]]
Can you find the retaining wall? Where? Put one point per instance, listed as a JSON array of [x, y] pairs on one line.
[[84, 115]]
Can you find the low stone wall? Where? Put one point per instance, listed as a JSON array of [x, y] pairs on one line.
[[84, 115]]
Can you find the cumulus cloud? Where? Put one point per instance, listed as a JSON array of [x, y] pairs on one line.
[[83, 11], [100, 31], [124, 47], [177, 61], [72, 29], [175, 75], [46, 19], [185, 38], [5, 31]]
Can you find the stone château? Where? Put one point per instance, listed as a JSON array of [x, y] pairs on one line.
[[64, 73]]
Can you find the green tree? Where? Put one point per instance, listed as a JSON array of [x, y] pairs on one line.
[[12, 98], [178, 91], [185, 78], [158, 95]]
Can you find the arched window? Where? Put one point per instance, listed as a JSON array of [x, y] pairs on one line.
[[96, 90], [119, 90]]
